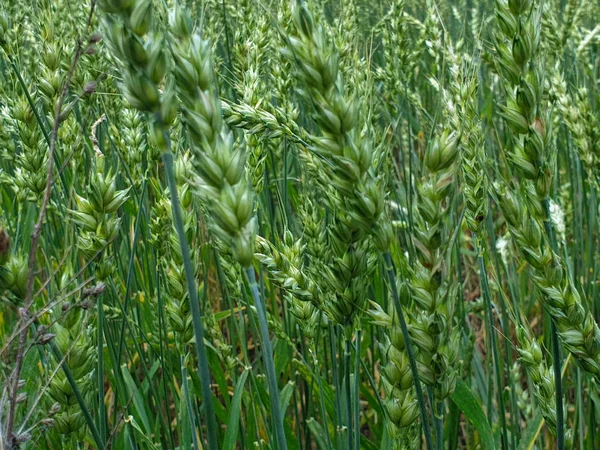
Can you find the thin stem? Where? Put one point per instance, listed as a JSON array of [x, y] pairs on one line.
[[321, 396], [409, 351], [439, 419], [130, 272], [356, 406], [194, 304], [494, 344], [268, 358], [188, 401], [349, 404], [334, 373], [560, 419], [100, 380], [556, 364]]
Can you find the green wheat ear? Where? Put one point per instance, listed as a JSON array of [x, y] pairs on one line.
[[218, 160], [13, 268], [534, 157]]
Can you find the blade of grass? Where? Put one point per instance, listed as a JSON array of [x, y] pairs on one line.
[[233, 425], [466, 401]]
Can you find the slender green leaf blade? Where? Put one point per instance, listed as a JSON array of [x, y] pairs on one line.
[[468, 404], [234, 413]]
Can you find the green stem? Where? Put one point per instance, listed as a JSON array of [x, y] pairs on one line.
[[560, 419], [505, 325], [409, 351], [333, 341], [439, 419], [268, 358], [188, 400], [356, 406], [317, 371], [490, 330], [130, 272], [349, 404], [101, 405], [556, 363], [194, 304]]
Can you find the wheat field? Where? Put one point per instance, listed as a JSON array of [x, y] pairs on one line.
[[299, 225]]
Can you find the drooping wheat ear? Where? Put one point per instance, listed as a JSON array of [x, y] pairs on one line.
[[576, 327], [258, 120], [218, 161], [268, 124], [252, 90]]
